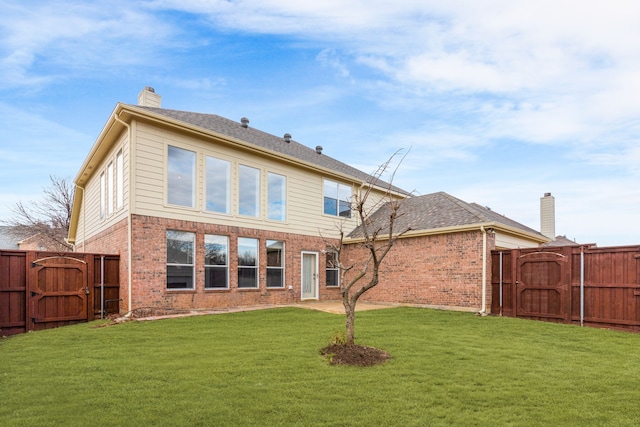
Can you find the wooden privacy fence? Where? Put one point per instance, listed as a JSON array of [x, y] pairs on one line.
[[42, 290], [569, 284]]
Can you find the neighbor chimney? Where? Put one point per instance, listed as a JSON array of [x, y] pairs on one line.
[[548, 216], [149, 98]]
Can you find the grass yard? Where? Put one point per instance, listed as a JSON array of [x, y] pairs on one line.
[[264, 368]]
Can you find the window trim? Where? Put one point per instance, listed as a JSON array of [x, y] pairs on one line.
[[283, 200], [193, 260], [282, 263], [109, 190], [194, 174], [255, 267], [227, 202], [333, 269], [217, 266], [258, 189], [337, 198], [103, 195], [119, 179]]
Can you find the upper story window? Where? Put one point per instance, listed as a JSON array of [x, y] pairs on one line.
[[180, 259], [275, 264], [276, 197], [119, 180], [337, 199], [247, 262], [109, 192], [218, 182], [216, 262], [248, 191], [103, 195], [181, 177]]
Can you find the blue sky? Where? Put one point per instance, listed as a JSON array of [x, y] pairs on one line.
[[498, 101]]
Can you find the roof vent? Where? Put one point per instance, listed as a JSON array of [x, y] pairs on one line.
[[287, 138], [319, 149], [245, 122]]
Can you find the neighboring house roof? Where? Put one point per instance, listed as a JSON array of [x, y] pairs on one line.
[[441, 211], [562, 241], [234, 129], [10, 239]]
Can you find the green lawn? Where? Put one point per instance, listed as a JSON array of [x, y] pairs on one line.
[[264, 368]]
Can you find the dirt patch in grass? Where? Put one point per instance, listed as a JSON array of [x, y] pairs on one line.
[[354, 355]]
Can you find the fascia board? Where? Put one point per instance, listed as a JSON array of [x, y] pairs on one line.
[[462, 228]]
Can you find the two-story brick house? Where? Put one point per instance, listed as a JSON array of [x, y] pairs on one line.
[[207, 212]]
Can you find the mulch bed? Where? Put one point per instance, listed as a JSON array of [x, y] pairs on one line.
[[354, 355]]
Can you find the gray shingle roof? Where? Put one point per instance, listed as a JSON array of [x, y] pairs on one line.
[[262, 139], [440, 210]]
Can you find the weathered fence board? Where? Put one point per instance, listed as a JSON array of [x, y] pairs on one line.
[[42, 290], [570, 284]]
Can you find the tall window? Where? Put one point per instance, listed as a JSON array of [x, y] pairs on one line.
[[181, 177], [218, 178], [119, 180], [248, 191], [276, 197], [275, 264], [247, 262], [337, 199], [103, 195], [216, 265], [332, 270], [180, 259], [109, 192]]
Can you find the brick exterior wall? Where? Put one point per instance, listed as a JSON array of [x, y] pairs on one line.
[[440, 270], [149, 261], [113, 241]]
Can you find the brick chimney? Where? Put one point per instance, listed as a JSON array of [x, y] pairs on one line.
[[149, 98], [548, 216]]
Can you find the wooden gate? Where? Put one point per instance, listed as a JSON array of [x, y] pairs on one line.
[[571, 284], [58, 290], [42, 290], [542, 287]]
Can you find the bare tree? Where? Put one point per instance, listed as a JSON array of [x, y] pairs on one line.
[[376, 235], [49, 218]]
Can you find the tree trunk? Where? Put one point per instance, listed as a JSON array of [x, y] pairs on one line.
[[350, 310]]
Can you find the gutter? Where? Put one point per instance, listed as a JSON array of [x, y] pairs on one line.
[[483, 311], [129, 231]]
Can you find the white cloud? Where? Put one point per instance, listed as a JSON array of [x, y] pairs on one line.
[[64, 36]]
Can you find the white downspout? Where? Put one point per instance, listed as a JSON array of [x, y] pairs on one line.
[[483, 311], [84, 220], [129, 232]]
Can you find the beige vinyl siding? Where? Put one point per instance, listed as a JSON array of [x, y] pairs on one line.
[[90, 223], [507, 241], [304, 203]]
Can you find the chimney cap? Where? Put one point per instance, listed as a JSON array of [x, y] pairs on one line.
[[547, 194], [245, 122], [150, 89]]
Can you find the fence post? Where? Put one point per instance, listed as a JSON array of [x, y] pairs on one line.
[[582, 286]]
